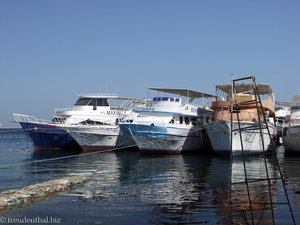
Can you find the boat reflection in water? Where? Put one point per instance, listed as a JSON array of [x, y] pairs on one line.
[[253, 194], [178, 190], [291, 167], [131, 188], [151, 189], [164, 188]]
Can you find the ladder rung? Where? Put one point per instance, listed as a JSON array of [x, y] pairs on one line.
[[264, 179], [250, 128], [268, 203], [243, 78], [254, 180], [246, 102]]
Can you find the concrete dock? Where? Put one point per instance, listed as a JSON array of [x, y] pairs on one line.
[[24, 196]]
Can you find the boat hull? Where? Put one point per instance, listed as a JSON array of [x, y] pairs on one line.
[[219, 134], [291, 139], [94, 138], [161, 139], [48, 136]]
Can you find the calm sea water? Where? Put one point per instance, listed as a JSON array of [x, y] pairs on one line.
[[130, 188]]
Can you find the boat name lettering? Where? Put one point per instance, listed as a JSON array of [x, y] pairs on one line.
[[114, 112]]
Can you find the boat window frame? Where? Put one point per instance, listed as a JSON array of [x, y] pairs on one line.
[[180, 119], [102, 102], [194, 120], [83, 101], [187, 120]]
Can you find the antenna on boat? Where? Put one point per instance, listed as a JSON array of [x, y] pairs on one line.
[[232, 76], [106, 87]]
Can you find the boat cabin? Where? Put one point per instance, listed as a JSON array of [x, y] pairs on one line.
[[243, 93], [102, 108]]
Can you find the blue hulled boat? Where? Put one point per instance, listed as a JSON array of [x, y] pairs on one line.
[[170, 126], [44, 134]]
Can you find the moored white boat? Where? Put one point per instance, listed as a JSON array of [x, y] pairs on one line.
[[101, 137], [282, 111], [291, 129], [168, 125], [94, 137], [249, 134], [219, 134]]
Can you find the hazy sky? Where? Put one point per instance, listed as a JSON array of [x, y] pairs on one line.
[[53, 50]]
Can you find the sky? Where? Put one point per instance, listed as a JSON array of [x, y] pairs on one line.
[[53, 50]]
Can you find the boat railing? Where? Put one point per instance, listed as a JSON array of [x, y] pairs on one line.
[[29, 119], [99, 95], [58, 120]]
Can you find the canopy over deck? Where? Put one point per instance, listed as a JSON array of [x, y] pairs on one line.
[[184, 92], [98, 95], [263, 89]]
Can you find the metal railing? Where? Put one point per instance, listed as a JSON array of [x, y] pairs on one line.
[[29, 119], [99, 95]]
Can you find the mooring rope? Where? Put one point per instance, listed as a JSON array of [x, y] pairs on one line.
[[9, 130]]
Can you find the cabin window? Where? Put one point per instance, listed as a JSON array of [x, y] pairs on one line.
[[180, 119], [154, 99], [171, 99], [59, 119], [83, 101], [165, 99], [177, 100], [187, 120], [102, 102], [194, 120], [92, 102]]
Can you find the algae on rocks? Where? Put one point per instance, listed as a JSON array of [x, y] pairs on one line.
[[20, 197]]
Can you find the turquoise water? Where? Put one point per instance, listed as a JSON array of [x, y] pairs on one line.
[[130, 188]]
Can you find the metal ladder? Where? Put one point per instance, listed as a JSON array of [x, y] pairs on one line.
[[251, 196]]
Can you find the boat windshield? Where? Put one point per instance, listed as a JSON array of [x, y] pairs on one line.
[[92, 102], [165, 99]]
